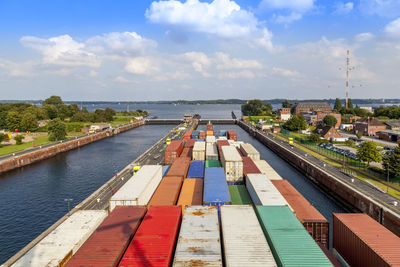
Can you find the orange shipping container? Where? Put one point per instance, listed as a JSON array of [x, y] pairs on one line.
[[190, 143], [179, 168], [187, 136], [173, 151], [308, 215], [191, 193], [210, 133], [187, 152], [167, 192]]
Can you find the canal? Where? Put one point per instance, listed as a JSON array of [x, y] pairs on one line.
[[32, 198]]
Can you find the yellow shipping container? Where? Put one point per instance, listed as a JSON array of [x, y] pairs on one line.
[[210, 133]]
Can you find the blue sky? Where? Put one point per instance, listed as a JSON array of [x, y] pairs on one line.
[[162, 50]]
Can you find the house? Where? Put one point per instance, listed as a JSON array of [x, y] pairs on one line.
[[393, 125], [368, 126], [337, 116], [352, 118], [389, 135], [311, 118], [327, 132], [284, 113], [305, 107]]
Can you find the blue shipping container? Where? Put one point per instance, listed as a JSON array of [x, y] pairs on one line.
[[216, 190], [222, 132], [165, 169], [201, 140], [194, 136], [196, 169], [195, 132]]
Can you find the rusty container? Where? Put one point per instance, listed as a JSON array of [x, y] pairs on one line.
[[179, 168], [167, 192], [173, 151]]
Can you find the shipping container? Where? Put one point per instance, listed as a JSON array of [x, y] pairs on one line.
[[232, 163], [60, 244], [187, 152], [243, 239], [209, 133], [165, 169], [290, 243], [362, 241], [195, 132], [211, 139], [211, 151], [191, 193], [199, 238], [313, 221], [222, 138], [329, 254], [173, 151], [222, 133], [190, 143], [167, 192], [202, 135], [107, 244], [216, 190], [209, 127], [232, 135], [201, 140], [263, 192], [249, 166], [154, 241], [187, 136], [196, 169], [139, 189], [239, 195], [180, 167], [267, 170], [248, 150], [199, 151], [213, 164]]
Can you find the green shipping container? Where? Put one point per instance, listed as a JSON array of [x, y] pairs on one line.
[[239, 195], [290, 243], [213, 164]]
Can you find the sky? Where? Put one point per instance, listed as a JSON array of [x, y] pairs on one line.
[[134, 50]]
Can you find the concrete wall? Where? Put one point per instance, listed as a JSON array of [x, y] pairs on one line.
[[337, 188], [44, 153]]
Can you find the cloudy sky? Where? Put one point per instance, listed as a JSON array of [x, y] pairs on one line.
[[197, 49]]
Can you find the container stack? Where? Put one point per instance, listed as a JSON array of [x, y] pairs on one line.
[[211, 151], [179, 168], [167, 192], [267, 170], [187, 136], [216, 192], [210, 139], [220, 144], [196, 169], [191, 193], [263, 192], [249, 166], [232, 135], [232, 163], [199, 151], [210, 130], [195, 135], [173, 151], [248, 150], [202, 135]]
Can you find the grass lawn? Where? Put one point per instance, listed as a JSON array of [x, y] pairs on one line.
[[38, 141], [118, 120]]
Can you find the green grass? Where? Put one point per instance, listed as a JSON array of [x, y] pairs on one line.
[[118, 120], [38, 141]]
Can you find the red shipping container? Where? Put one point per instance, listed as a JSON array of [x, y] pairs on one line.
[[232, 135], [187, 136], [107, 244], [308, 215], [179, 168], [167, 192], [154, 242], [173, 151], [362, 241], [190, 143], [221, 143], [210, 127], [330, 256], [240, 152], [249, 166], [187, 152]]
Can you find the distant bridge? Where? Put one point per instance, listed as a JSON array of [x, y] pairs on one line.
[[178, 121]]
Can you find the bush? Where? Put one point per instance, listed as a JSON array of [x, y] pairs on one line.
[[18, 139], [314, 138]]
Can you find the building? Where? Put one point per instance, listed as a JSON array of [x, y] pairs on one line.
[[327, 132], [393, 125], [352, 118], [337, 116], [284, 113], [368, 126], [305, 107], [368, 109], [389, 135], [311, 118]]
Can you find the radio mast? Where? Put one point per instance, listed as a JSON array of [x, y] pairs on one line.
[[347, 78]]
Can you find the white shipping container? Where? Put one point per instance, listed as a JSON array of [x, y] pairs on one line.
[[211, 151], [199, 151], [232, 163], [67, 238], [237, 144], [139, 189], [267, 170], [199, 239], [222, 138], [231, 142], [244, 241], [263, 192], [248, 150], [210, 139]]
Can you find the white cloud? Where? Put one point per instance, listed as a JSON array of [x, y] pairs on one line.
[[121, 79], [141, 65], [364, 37], [344, 8], [286, 73], [298, 5], [385, 8], [18, 69], [222, 18], [287, 19], [245, 74], [224, 62], [92, 73], [393, 29]]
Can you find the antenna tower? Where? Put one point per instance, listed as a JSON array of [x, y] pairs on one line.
[[347, 78]]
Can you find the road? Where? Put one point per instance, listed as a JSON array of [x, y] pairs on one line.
[[153, 156], [369, 138]]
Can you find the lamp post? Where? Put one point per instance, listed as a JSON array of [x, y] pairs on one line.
[[68, 200]]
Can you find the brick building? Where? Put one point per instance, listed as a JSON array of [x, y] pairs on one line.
[[337, 116], [305, 107], [368, 126], [284, 113], [389, 135], [327, 132]]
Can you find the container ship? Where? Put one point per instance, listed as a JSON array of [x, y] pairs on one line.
[[214, 202]]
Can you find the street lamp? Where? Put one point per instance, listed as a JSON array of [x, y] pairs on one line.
[[68, 200]]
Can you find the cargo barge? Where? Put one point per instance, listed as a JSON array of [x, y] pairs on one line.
[[200, 211]]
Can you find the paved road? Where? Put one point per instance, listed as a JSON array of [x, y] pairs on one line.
[[369, 138], [382, 198], [153, 156]]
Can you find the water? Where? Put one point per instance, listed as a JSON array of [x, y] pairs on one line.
[[32, 198]]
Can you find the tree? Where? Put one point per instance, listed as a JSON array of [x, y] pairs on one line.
[[28, 122], [314, 138], [295, 123], [18, 139], [57, 130], [350, 143], [109, 114], [350, 104], [3, 137], [53, 100], [360, 112], [368, 152], [51, 111], [13, 120], [359, 135], [391, 162], [338, 105], [286, 104], [256, 108], [330, 120], [39, 113]]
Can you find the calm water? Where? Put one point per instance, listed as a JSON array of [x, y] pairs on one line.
[[32, 198]]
